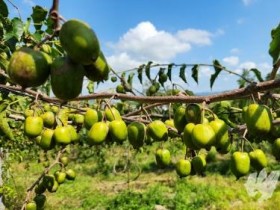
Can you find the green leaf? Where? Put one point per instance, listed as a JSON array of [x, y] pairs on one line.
[[195, 73], [218, 68], [16, 30], [257, 74], [4, 9], [147, 70], [4, 126], [130, 78], [274, 47], [140, 73], [38, 16], [182, 73], [169, 71]]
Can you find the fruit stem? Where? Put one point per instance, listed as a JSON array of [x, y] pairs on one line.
[[203, 112]]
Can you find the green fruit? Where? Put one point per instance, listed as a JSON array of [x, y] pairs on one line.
[[79, 41], [193, 113], [258, 159], [64, 160], [40, 201], [163, 157], [276, 149], [55, 109], [162, 78], [75, 137], [183, 167], [114, 79], [40, 188], [78, 119], [98, 70], [180, 119], [47, 139], [28, 68], [48, 119], [31, 206], [151, 90], [98, 133], [92, 116], [187, 136], [120, 89], [60, 177], [62, 135], [157, 130], [118, 130], [221, 130], [170, 123], [258, 119], [136, 134], [66, 78], [70, 174], [199, 164], [240, 163], [203, 136], [112, 114], [33, 126]]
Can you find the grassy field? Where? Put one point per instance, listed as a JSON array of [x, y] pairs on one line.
[[99, 185]]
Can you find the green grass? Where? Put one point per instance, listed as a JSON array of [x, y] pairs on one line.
[[97, 187]]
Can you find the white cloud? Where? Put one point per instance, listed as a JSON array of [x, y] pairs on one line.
[[29, 2], [145, 42], [122, 61], [248, 65], [194, 36], [231, 60]]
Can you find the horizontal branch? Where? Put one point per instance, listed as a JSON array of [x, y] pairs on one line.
[[227, 95]]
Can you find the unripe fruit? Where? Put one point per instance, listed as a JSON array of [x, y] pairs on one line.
[[258, 119], [31, 206], [79, 41], [28, 68], [48, 119], [221, 130], [47, 139], [118, 130], [187, 136], [62, 135], [112, 114], [157, 130], [193, 113], [258, 159], [240, 163], [91, 116], [33, 126], [199, 163], [163, 157], [180, 119], [203, 136], [98, 133], [70, 174], [136, 134], [183, 167]]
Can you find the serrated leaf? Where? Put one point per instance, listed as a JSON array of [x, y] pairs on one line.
[[169, 71], [147, 69], [257, 74], [218, 68], [38, 16], [182, 73], [274, 46], [140, 73], [195, 69], [4, 9]]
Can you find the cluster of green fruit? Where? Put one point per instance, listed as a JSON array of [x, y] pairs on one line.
[[31, 68], [50, 182]]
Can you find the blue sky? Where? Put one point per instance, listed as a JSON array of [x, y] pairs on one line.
[[236, 32]]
